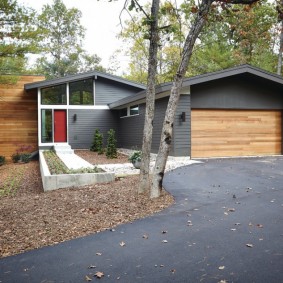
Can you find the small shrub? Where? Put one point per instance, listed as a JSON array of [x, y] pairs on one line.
[[25, 157], [2, 160], [22, 154], [136, 156], [16, 157], [97, 144], [111, 149]]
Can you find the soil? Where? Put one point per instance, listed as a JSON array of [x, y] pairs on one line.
[[30, 218]]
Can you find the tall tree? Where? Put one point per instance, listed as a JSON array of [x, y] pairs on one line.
[[280, 52], [150, 96], [18, 34], [202, 14], [62, 36], [235, 35]]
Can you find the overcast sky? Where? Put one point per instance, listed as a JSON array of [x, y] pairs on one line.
[[101, 20]]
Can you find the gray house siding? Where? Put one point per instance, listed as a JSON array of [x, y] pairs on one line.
[[237, 92], [81, 131], [182, 130], [107, 91], [130, 129]]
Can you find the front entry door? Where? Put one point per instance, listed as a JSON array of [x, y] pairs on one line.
[[60, 126]]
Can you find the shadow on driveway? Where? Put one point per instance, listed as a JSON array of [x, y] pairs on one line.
[[226, 226]]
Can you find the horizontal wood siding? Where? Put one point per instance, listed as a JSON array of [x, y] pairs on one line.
[[107, 91], [218, 133], [18, 116], [82, 130]]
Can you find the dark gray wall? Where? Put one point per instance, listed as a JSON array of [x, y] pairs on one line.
[[182, 130], [107, 91], [82, 130], [130, 129], [239, 92]]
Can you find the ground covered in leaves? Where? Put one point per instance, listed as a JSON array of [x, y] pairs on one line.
[[30, 218]]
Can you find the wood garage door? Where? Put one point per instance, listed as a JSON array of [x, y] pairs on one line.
[[218, 133]]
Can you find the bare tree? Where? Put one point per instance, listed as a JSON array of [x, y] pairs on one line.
[[280, 18], [150, 97], [166, 134]]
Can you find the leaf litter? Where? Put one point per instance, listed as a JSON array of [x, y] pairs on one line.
[[70, 213]]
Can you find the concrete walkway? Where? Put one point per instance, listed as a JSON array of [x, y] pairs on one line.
[[226, 226], [73, 161]]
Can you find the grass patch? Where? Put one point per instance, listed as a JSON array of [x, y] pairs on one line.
[[56, 165]]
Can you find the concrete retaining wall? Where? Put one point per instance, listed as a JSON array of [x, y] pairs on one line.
[[54, 182]]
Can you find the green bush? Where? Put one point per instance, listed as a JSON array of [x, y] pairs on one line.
[[2, 160], [136, 156], [16, 157], [111, 149], [22, 154], [97, 144], [25, 157]]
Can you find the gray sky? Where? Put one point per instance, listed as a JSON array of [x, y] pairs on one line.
[[101, 20]]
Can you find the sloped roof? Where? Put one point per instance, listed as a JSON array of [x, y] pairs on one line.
[[92, 74], [238, 70]]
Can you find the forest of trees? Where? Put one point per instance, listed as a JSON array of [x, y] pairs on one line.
[[233, 35]]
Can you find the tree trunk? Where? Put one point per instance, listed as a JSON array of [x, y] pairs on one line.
[[167, 130], [150, 99], [280, 17]]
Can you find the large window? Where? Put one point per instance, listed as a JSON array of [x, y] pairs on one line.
[[81, 92], [46, 126], [54, 95]]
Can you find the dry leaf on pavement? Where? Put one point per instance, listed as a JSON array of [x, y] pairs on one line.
[[99, 274]]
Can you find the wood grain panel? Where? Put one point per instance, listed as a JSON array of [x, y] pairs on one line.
[[18, 116], [217, 133]]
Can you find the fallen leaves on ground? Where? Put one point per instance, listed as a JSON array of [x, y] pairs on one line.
[[99, 274], [32, 219]]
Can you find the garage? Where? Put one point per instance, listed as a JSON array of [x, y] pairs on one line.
[[218, 133]]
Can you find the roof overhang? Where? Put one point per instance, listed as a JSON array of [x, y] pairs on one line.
[[163, 90], [82, 76]]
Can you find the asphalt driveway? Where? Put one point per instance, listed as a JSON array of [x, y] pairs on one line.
[[226, 226]]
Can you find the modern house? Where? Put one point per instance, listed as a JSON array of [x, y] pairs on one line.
[[233, 112]]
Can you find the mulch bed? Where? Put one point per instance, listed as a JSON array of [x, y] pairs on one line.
[[30, 218]]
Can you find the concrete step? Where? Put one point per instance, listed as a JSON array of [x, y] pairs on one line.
[[63, 149]]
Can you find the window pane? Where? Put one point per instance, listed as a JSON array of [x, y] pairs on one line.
[[123, 112], [54, 95], [81, 92], [46, 125], [134, 110]]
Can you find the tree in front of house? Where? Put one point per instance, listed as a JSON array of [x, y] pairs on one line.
[[61, 41], [18, 33], [233, 35]]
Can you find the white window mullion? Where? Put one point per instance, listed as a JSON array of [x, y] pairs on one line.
[[94, 92]]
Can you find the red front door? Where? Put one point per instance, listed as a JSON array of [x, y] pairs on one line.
[[60, 126]]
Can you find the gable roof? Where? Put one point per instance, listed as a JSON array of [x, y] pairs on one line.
[[238, 70], [87, 75]]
